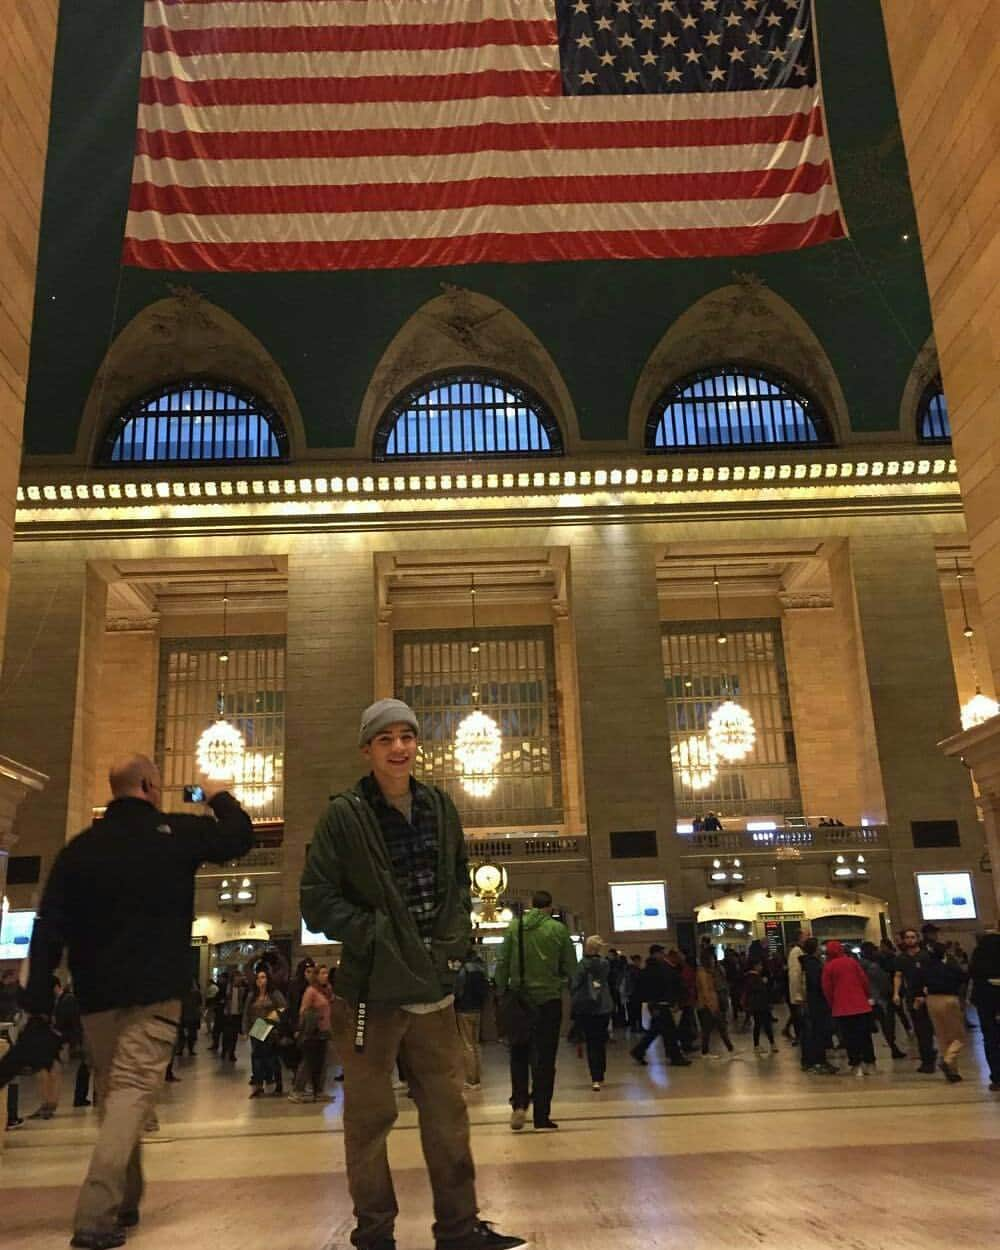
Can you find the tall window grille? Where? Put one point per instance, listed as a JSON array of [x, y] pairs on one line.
[[517, 688], [734, 406], [191, 676], [195, 423], [700, 674], [933, 423], [467, 414]]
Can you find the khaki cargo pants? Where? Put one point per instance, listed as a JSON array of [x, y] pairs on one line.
[[131, 1048]]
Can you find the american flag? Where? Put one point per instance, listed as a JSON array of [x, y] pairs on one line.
[[351, 134]]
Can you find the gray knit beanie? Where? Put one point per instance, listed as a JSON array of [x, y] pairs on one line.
[[385, 712]]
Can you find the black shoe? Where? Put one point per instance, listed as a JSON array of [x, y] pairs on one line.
[[898, 1054], [482, 1237], [927, 1069], [44, 1112], [128, 1219], [638, 1056], [16, 1123], [83, 1102], [97, 1241], [680, 1062], [546, 1126]]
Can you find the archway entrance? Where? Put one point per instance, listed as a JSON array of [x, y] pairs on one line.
[[775, 918]]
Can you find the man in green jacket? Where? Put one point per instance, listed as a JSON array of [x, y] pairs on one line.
[[549, 960], [388, 876]]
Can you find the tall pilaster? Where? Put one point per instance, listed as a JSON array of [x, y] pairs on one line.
[[49, 691], [329, 681], [623, 713]]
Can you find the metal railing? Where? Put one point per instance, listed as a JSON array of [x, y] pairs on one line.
[[827, 837], [525, 848], [260, 859]]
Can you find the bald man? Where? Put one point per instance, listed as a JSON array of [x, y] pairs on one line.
[[120, 901]]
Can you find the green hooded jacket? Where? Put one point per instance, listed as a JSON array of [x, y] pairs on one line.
[[349, 893], [549, 958]]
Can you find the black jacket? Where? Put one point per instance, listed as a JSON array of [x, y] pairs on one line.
[[120, 897], [660, 982]]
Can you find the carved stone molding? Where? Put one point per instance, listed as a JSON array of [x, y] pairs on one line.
[[798, 600]]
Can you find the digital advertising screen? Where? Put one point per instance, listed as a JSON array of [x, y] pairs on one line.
[[946, 895], [15, 934], [638, 905], [308, 938]]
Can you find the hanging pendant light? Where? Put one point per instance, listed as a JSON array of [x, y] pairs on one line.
[[220, 749], [980, 708], [695, 763], [478, 742], [731, 731]]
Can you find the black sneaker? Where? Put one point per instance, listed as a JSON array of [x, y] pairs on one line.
[[638, 1057], [546, 1126], [128, 1219], [482, 1237], [927, 1069], [98, 1241], [680, 1062]]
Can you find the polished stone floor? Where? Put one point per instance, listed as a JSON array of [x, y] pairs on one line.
[[720, 1156]]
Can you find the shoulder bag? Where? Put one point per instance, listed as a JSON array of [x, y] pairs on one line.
[[517, 1012]]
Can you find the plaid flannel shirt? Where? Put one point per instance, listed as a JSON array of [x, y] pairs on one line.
[[413, 850]]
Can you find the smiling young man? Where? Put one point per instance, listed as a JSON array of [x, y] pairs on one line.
[[388, 877]]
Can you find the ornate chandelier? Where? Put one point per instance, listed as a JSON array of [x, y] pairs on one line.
[[478, 741], [695, 762], [980, 707], [220, 749], [731, 731], [254, 774]]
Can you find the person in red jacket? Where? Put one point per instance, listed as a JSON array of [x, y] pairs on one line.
[[845, 985]]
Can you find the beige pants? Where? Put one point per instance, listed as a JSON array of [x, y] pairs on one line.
[[468, 1031], [431, 1052], [946, 1015], [131, 1048]]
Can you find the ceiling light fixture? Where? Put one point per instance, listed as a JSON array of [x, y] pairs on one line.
[[220, 749], [478, 741], [731, 731]]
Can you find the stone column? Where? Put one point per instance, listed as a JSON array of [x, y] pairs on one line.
[[329, 681], [16, 782], [979, 750], [51, 690], [623, 714], [947, 77], [26, 54]]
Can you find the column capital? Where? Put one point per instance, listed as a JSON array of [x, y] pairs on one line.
[[800, 600]]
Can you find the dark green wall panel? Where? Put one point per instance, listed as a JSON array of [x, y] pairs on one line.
[[865, 298]]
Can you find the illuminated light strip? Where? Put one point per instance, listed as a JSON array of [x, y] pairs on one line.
[[448, 483]]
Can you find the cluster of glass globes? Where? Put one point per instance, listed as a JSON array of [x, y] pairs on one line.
[[695, 763], [478, 747], [222, 755], [979, 709], [731, 736]]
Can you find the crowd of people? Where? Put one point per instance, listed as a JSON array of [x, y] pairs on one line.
[[387, 876]]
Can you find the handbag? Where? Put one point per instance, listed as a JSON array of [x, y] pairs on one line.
[[517, 1012]]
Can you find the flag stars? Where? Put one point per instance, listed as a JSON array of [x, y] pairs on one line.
[[692, 56], [755, 37], [607, 58], [668, 6], [759, 72], [717, 74], [668, 40], [778, 54], [580, 6], [713, 39], [604, 23], [737, 54], [588, 78], [673, 75], [797, 32], [624, 6], [630, 76], [649, 58], [773, 19], [801, 70], [751, 4], [710, 5], [626, 40], [689, 22], [733, 19], [647, 22], [585, 41]]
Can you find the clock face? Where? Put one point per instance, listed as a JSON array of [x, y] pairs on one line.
[[488, 878]]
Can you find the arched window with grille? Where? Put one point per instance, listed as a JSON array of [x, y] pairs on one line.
[[195, 422], [735, 406], [933, 424], [467, 414]]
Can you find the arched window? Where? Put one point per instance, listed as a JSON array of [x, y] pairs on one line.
[[933, 425], [467, 414], [734, 406], [195, 422]]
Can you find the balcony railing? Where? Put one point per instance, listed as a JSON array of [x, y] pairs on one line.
[[525, 848], [260, 859], [831, 837]]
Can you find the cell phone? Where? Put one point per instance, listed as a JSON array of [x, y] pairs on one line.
[[194, 794]]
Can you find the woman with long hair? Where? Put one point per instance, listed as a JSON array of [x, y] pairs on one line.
[[592, 1004], [261, 1016], [314, 1035]]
